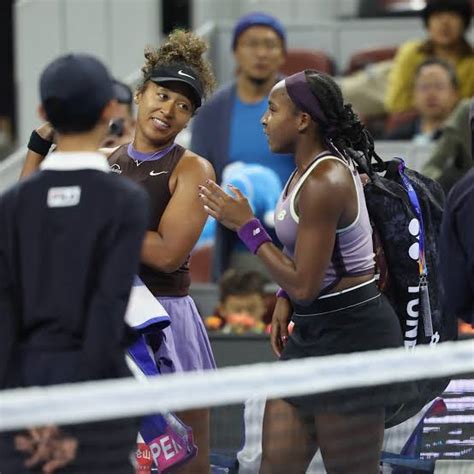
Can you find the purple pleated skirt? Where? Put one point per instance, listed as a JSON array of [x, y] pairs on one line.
[[185, 345]]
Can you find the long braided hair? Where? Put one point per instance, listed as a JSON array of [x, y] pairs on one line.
[[344, 133]]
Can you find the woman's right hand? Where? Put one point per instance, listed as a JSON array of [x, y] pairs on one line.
[[280, 320], [46, 131]]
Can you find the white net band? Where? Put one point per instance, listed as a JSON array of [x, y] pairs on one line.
[[94, 401]]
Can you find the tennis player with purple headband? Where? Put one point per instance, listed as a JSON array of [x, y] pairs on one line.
[[326, 274], [176, 79]]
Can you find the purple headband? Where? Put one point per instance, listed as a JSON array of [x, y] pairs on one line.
[[300, 93]]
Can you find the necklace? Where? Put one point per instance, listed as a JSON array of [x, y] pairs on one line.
[[138, 157]]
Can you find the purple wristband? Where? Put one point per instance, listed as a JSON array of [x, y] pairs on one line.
[[281, 293], [253, 234]]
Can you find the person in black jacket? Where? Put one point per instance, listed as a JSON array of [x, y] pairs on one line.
[[456, 245], [69, 247], [176, 79]]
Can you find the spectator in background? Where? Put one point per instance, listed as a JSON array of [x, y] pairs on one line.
[[447, 22], [451, 158], [241, 303], [435, 94], [227, 128], [122, 126], [241, 310]]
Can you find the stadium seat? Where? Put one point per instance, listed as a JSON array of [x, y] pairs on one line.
[[368, 56], [299, 59], [396, 119], [200, 264]]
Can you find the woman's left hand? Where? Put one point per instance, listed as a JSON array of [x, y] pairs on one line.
[[232, 212]]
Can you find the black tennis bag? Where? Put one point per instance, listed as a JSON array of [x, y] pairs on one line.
[[395, 197]]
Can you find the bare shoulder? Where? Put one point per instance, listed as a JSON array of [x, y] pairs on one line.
[[329, 178], [191, 163], [107, 151], [330, 170]]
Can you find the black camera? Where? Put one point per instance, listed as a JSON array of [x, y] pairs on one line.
[[116, 127]]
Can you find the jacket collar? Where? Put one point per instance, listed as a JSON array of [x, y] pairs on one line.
[[75, 160]]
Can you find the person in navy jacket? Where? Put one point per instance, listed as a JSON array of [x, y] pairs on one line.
[[227, 128], [70, 244], [456, 247]]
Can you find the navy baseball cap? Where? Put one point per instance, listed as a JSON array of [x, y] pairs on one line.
[[178, 72], [122, 92], [75, 87], [258, 19]]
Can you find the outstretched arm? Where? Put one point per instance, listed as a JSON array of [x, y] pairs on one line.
[[318, 220], [34, 159]]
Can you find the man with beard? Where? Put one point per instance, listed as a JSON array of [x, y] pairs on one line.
[[227, 128]]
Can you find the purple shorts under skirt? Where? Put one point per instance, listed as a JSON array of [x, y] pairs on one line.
[[185, 345]]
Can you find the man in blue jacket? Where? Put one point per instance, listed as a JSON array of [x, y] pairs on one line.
[[227, 128]]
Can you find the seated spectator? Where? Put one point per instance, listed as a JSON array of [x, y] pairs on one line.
[[447, 22], [435, 94], [227, 128], [241, 304], [451, 158]]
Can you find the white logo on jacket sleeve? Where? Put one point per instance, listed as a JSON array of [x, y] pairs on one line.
[[66, 196]]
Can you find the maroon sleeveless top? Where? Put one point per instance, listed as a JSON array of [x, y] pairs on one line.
[[154, 176]]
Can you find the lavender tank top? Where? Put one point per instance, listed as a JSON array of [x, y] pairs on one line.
[[353, 252]]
